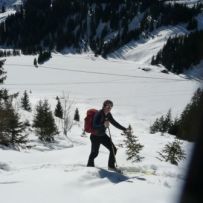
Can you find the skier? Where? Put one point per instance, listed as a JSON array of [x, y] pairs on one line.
[[101, 122]]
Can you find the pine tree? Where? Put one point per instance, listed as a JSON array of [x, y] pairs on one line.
[[175, 126], [3, 95], [162, 124], [77, 116], [65, 15], [35, 63], [11, 128], [172, 152], [132, 146], [44, 56], [16, 129], [190, 119], [153, 128], [167, 122], [58, 110], [44, 122], [2, 72], [25, 103], [4, 138]]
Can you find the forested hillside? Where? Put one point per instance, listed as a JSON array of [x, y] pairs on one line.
[[181, 53], [104, 26]]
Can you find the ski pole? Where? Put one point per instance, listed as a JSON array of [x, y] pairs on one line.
[[112, 148]]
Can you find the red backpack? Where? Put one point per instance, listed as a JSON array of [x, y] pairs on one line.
[[88, 124]]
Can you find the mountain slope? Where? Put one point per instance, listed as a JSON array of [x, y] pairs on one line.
[[100, 28], [10, 3], [57, 172], [143, 50]]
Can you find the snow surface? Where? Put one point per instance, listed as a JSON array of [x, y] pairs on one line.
[[10, 3], [144, 49], [4, 15], [57, 172]]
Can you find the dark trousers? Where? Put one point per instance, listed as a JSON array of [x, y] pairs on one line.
[[106, 141]]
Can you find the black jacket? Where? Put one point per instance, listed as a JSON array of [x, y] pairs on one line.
[[100, 118]]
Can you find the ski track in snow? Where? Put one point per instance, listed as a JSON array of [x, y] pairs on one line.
[[94, 176]]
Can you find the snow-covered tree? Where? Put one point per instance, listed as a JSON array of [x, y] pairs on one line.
[[43, 57], [58, 110], [172, 152], [77, 116], [2, 72], [191, 118], [162, 124], [25, 103], [12, 130], [16, 129], [44, 122], [132, 146]]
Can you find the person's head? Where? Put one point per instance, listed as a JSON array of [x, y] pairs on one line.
[[107, 105]]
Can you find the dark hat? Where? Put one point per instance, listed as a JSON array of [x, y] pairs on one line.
[[107, 102]]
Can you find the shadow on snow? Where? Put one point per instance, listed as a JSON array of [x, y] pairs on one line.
[[115, 177]]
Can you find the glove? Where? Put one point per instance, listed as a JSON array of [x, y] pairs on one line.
[[106, 124]]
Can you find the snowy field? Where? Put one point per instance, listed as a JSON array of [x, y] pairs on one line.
[[56, 172]]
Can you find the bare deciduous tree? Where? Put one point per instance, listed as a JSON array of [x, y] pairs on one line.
[[67, 121]]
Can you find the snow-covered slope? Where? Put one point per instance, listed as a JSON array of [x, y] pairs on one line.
[[142, 51], [10, 3], [3, 16], [47, 174], [57, 172], [91, 80]]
